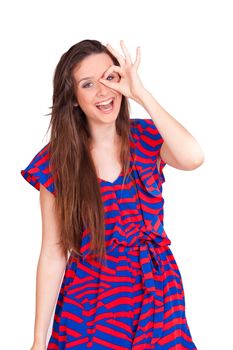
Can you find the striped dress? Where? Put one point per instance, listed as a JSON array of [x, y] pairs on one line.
[[135, 300]]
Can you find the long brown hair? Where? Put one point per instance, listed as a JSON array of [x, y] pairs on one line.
[[77, 190]]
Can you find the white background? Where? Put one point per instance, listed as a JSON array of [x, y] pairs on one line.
[[186, 64]]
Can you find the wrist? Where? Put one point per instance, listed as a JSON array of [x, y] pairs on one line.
[[142, 96]]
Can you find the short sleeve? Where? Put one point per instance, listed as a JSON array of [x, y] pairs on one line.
[[149, 142], [38, 171]]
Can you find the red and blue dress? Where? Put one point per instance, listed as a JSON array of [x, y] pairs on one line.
[[136, 299]]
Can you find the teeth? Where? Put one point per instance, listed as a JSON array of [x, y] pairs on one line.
[[104, 103]]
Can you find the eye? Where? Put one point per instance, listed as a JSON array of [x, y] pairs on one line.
[[114, 76], [86, 85]]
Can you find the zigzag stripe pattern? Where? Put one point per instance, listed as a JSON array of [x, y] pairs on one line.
[[135, 299]]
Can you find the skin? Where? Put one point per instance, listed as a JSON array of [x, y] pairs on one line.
[[180, 149]]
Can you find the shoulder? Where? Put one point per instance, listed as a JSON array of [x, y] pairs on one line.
[[146, 133], [38, 170], [144, 126]]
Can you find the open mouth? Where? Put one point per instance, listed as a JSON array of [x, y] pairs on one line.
[[106, 106]]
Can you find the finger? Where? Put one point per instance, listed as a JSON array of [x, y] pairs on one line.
[[126, 52], [138, 58], [110, 84], [112, 69], [116, 54]]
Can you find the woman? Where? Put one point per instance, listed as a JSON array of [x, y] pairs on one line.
[[100, 179]]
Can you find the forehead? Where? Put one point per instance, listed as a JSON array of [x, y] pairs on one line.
[[94, 65]]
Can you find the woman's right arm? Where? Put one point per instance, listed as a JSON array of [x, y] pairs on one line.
[[50, 269]]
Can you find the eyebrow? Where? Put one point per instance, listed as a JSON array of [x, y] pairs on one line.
[[84, 79]]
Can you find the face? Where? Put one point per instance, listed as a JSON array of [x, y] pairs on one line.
[[90, 91]]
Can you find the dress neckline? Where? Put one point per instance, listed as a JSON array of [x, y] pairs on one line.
[[112, 183]]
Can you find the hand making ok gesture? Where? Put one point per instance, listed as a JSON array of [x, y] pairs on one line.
[[130, 84]]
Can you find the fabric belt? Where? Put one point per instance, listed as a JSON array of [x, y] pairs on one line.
[[152, 279]]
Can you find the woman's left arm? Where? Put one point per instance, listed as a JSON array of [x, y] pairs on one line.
[[179, 149]]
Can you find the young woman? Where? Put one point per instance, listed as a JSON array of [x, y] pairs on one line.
[[100, 179]]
